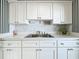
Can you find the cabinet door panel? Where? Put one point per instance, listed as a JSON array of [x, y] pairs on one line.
[[62, 12], [56, 13], [73, 53], [32, 10], [68, 53], [47, 53], [29, 53], [45, 10], [68, 12], [21, 12], [62, 53], [12, 53], [12, 12]]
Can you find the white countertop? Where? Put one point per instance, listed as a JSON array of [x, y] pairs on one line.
[[20, 36]]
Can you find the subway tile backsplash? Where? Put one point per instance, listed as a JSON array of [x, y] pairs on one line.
[[36, 26]]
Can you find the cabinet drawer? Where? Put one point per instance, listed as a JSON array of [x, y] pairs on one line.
[[30, 43], [47, 43], [11, 43], [68, 43]]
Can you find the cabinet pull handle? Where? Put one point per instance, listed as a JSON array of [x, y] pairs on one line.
[[69, 49], [38, 49], [62, 43], [38, 17], [9, 44], [9, 49]]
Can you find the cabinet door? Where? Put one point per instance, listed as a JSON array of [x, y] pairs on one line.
[[73, 53], [57, 12], [62, 12], [68, 53], [47, 53], [45, 10], [12, 12], [20, 12], [32, 10], [12, 53], [29, 53], [62, 53], [67, 12], [1, 53]]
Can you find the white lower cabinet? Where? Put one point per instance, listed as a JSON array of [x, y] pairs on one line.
[[11, 53], [42, 50], [68, 53]]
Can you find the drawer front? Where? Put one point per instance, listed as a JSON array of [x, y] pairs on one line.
[[47, 43], [68, 43], [30, 44], [11, 43]]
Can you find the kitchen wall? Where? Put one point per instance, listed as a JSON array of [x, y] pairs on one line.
[[36, 26]]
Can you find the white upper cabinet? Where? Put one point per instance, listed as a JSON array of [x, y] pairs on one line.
[[62, 12], [39, 10], [59, 12]]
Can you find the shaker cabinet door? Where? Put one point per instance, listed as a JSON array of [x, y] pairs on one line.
[[11, 53], [21, 12], [45, 10], [29, 53], [62, 12], [12, 12], [57, 10], [47, 53], [68, 53], [32, 10]]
